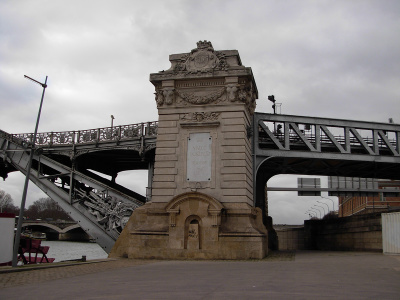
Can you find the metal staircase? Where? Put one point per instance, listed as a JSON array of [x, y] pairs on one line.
[[63, 172]]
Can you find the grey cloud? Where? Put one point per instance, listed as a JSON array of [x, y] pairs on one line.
[[319, 58]]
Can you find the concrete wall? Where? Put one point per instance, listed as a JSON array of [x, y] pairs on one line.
[[290, 238], [358, 233]]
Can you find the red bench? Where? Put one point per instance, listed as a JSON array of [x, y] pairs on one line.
[[33, 248]]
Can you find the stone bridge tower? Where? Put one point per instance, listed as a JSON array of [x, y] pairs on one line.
[[202, 192]]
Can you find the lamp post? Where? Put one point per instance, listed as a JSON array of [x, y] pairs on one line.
[[311, 213], [333, 203], [321, 207], [325, 204], [272, 99], [112, 121], [317, 211], [28, 171]]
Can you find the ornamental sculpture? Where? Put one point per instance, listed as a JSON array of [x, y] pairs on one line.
[[200, 116], [108, 211], [202, 59], [205, 77]]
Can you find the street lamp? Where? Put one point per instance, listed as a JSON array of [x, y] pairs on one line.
[[321, 207], [272, 99], [333, 202], [317, 211], [325, 204], [311, 213], [28, 172], [112, 121]]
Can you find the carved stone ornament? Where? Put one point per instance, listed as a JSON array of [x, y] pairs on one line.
[[232, 89], [165, 96], [200, 117], [159, 98], [169, 95], [202, 59], [208, 98]]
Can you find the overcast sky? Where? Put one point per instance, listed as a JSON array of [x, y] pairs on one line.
[[336, 59]]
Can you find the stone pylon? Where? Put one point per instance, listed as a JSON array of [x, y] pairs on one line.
[[202, 193]]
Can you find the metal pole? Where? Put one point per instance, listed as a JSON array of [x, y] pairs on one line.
[[311, 213], [325, 204], [321, 207], [28, 171], [333, 202], [317, 211]]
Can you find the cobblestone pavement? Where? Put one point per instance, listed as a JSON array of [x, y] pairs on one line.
[[45, 273]]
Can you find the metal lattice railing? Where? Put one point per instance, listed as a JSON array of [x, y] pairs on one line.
[[106, 134]]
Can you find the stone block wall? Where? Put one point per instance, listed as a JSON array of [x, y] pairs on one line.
[[290, 238], [355, 233]]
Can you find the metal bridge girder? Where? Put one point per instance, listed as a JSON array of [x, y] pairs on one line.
[[351, 146], [288, 144], [101, 208]]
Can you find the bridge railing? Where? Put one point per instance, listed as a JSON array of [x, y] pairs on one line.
[[286, 132], [106, 134], [341, 139]]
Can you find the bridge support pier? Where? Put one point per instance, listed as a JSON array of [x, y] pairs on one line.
[[202, 192], [193, 226]]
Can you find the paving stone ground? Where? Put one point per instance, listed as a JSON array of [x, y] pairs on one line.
[[47, 274], [300, 275]]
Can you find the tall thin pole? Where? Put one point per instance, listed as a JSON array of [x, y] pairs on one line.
[[320, 214], [325, 204], [323, 208], [333, 202], [28, 172]]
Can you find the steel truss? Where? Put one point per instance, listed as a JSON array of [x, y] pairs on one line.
[[288, 144], [61, 168]]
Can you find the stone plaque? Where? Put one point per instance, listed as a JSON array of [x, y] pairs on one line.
[[199, 157]]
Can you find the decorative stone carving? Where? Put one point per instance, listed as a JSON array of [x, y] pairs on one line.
[[203, 77], [169, 95], [232, 89], [200, 116], [201, 99], [193, 231], [172, 216], [243, 95], [159, 98], [202, 59]]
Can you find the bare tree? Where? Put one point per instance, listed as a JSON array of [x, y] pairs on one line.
[[7, 203], [45, 208]]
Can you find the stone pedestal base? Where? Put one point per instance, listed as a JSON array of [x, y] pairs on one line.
[[193, 226]]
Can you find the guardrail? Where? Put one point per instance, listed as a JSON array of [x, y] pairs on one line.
[[285, 132], [115, 133]]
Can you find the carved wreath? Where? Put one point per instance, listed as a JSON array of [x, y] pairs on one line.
[[205, 99], [201, 116]]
